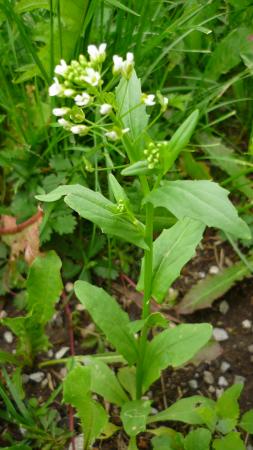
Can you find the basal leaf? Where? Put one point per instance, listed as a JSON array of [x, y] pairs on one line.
[[246, 422], [184, 410], [108, 316], [105, 383], [227, 408], [229, 442], [173, 347], [198, 439], [206, 291], [172, 250], [205, 201], [134, 415], [95, 207]]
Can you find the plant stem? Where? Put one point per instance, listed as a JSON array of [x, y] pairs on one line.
[[148, 263]]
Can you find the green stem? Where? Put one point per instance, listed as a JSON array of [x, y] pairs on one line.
[[148, 263]]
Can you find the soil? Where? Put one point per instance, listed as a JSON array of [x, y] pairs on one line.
[[174, 384]]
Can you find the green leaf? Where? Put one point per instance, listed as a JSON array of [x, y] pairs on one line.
[[118, 4], [131, 111], [104, 382], [24, 6], [208, 415], [184, 410], [137, 168], [205, 201], [77, 392], [198, 439], [179, 140], [162, 443], [173, 347], [117, 189], [167, 439], [127, 379], [95, 207], [108, 316], [227, 408], [229, 442], [206, 291], [134, 416], [246, 422], [172, 250]]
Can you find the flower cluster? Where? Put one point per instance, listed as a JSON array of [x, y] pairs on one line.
[[152, 154]]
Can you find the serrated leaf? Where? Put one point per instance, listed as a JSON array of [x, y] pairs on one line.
[[173, 347], [64, 224], [105, 383], [198, 439], [227, 408], [184, 410], [246, 422], [172, 250], [77, 392], [108, 315], [95, 207], [203, 200], [134, 416], [229, 442]]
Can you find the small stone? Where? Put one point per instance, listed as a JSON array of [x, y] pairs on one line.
[[25, 378], [154, 411], [202, 274], [222, 381], [239, 379], [61, 352], [50, 353], [63, 372], [247, 324], [208, 377], [3, 314], [79, 443], [8, 337], [44, 383], [249, 447], [37, 377], [193, 384], [250, 348], [69, 287], [219, 392], [224, 366], [211, 389], [220, 334], [80, 307], [224, 307], [213, 270]]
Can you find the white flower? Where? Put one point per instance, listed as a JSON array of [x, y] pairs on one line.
[[105, 108], [61, 68], [69, 92], [64, 123], [79, 129], [148, 100], [58, 112], [125, 130], [117, 64], [128, 65], [82, 99], [113, 135], [97, 54], [92, 77], [55, 88], [165, 101]]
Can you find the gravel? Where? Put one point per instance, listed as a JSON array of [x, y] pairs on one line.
[[220, 334], [208, 377], [8, 337], [37, 377]]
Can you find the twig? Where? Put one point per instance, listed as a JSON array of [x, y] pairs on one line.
[[21, 226]]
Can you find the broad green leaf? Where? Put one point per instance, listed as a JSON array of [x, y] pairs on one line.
[[44, 286], [246, 422], [206, 291], [205, 201], [179, 140], [166, 439], [183, 410], [172, 250], [232, 441], [134, 416], [108, 316], [127, 378], [117, 189], [198, 439], [95, 207], [131, 111], [77, 392], [24, 6], [208, 415], [137, 168], [105, 383], [173, 347], [227, 408], [162, 443]]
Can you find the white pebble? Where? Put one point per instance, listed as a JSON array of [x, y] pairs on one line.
[[50, 353], [211, 389], [80, 307], [79, 442], [224, 366], [208, 377], [247, 324], [222, 381], [239, 379], [44, 383], [224, 307], [250, 348], [37, 376], [214, 270], [8, 337], [3, 314], [219, 392], [202, 274], [193, 384], [63, 372], [220, 334], [61, 352], [69, 287]]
